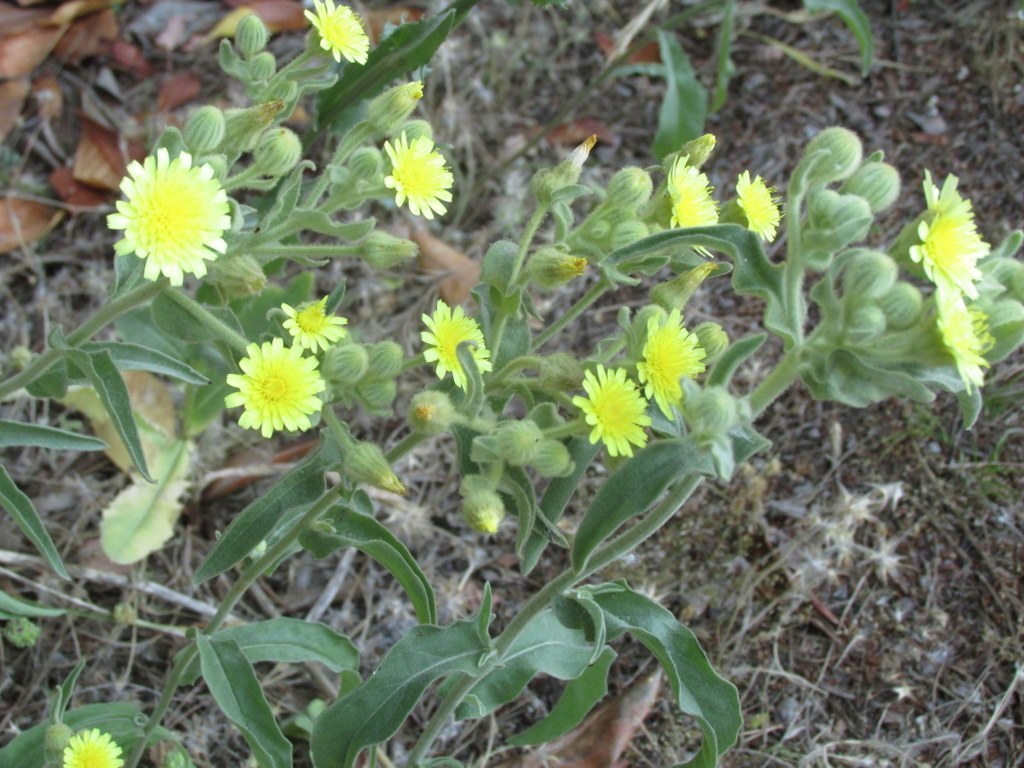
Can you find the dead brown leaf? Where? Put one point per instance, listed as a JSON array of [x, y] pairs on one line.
[[24, 221], [278, 15], [461, 272], [14, 20], [129, 57], [48, 95], [647, 54], [177, 90], [252, 457], [579, 130], [74, 193], [88, 36], [76, 9], [102, 156], [12, 98], [23, 52], [395, 14]]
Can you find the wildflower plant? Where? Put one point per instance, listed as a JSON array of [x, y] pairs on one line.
[[654, 401]]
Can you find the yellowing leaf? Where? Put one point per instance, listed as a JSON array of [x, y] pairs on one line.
[[141, 517]]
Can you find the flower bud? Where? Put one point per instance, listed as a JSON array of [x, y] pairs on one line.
[[630, 188], [125, 613], [431, 412], [278, 151], [204, 131], [552, 459], [828, 209], [366, 164], [713, 340], [243, 127], [237, 277], [1009, 273], [263, 66], [251, 36], [388, 111], [55, 739], [902, 305], [382, 250], [877, 183], [177, 759], [482, 508], [842, 154], [345, 364], [21, 633], [415, 129], [385, 360], [711, 411], [675, 293], [560, 372], [699, 150], [550, 267], [627, 233], [868, 274], [20, 357], [366, 463], [377, 396], [517, 441], [865, 323], [547, 181]]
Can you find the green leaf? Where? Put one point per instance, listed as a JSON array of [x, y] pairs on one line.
[[634, 487], [546, 646], [286, 640], [203, 405], [355, 529], [408, 47], [20, 507], [99, 368], [252, 312], [724, 68], [321, 223], [134, 357], [121, 720], [698, 689], [724, 368], [685, 106], [301, 485], [854, 18], [232, 681], [374, 711], [12, 607], [579, 697], [128, 270], [970, 406], [63, 692], [37, 435], [178, 323], [141, 517]]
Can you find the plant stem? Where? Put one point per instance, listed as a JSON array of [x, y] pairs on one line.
[[210, 321], [574, 311], [356, 136], [524, 245], [601, 557], [102, 317], [403, 446], [238, 589], [777, 382]]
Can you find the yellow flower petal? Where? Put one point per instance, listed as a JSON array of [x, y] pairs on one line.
[[759, 204], [965, 333], [670, 353], [92, 749], [311, 327], [692, 204], [341, 31], [446, 330], [418, 175], [615, 410]]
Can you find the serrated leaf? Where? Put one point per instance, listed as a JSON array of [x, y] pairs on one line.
[[233, 683], [374, 711], [699, 690], [854, 18], [40, 436], [20, 508], [141, 517], [579, 697], [684, 108], [634, 487], [12, 607]]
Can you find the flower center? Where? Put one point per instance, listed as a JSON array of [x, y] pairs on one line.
[[173, 213], [273, 388], [312, 319]]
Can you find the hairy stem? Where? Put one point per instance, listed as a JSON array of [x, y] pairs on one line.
[[777, 382], [581, 305]]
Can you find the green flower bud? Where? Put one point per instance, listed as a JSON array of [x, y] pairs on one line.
[[125, 613], [713, 340], [550, 267], [868, 274], [518, 441], [238, 276], [345, 364], [675, 293], [55, 739], [251, 36], [414, 129], [387, 112], [179, 758], [377, 396], [902, 305], [482, 508], [843, 153], [552, 459], [244, 127], [367, 164], [263, 66], [366, 463], [828, 209], [699, 150], [431, 412], [547, 181], [20, 357], [382, 250], [204, 131], [560, 372], [627, 233], [877, 183], [865, 323], [278, 152], [21, 633], [386, 360], [711, 411], [630, 188]]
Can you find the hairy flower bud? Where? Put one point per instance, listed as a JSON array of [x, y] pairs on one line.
[[385, 360], [378, 396], [204, 131], [711, 411], [630, 188], [345, 364], [868, 274], [517, 441], [902, 305], [878, 183], [251, 35], [547, 181], [21, 632], [55, 740], [627, 233], [842, 154], [387, 112], [431, 412], [179, 758], [125, 613], [237, 277], [552, 459], [263, 66], [482, 508], [244, 127], [365, 463], [699, 150], [560, 372], [550, 267], [713, 340], [278, 151], [415, 129], [382, 250], [675, 293], [865, 323], [367, 165]]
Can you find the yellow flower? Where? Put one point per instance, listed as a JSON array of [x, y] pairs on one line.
[[174, 218], [311, 326], [759, 204], [418, 173], [965, 333], [92, 749], [447, 329], [341, 31], [669, 354], [950, 244], [692, 205], [278, 387], [615, 409]]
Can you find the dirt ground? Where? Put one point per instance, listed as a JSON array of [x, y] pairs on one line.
[[862, 582]]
